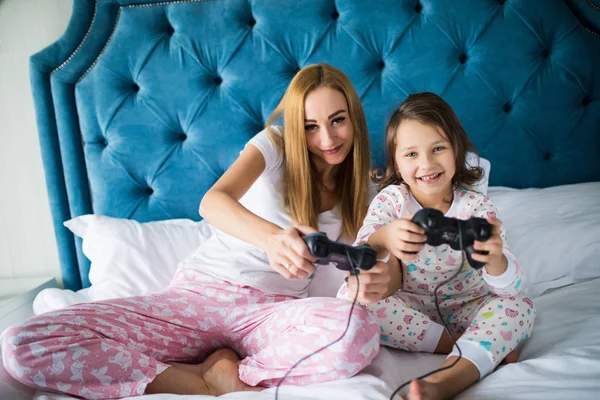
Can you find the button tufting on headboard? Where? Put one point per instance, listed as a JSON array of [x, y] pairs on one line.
[[586, 100], [219, 76]]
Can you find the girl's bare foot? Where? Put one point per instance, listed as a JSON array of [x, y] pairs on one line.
[[511, 358], [200, 369], [423, 390], [223, 377]]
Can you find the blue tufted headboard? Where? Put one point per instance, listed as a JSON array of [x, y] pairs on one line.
[[141, 105]]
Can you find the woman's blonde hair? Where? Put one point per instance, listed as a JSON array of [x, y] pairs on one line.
[[301, 194]]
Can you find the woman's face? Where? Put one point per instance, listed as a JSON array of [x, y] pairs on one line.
[[328, 127]]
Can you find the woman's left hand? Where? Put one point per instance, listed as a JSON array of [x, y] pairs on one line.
[[495, 260], [377, 283]]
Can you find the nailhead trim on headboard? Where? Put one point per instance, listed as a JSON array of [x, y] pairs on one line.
[[82, 41], [163, 3]]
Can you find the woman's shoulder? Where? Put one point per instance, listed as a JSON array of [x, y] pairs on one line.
[[268, 146]]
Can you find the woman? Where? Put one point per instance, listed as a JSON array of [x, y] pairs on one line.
[[245, 288]]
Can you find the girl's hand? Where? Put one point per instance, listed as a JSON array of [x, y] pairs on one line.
[[404, 239], [495, 260], [288, 253]]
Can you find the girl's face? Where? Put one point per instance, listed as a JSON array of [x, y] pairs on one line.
[[425, 159], [329, 130]]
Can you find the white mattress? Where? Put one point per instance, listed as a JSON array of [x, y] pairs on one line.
[[560, 361]]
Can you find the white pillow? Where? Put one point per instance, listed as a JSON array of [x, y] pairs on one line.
[[553, 232], [128, 258]]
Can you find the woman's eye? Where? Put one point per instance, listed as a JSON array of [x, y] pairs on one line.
[[311, 127], [411, 154], [439, 148], [337, 121]]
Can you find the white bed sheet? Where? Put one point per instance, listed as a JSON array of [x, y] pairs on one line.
[[560, 361]]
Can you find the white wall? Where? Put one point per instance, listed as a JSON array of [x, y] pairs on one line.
[[27, 244]]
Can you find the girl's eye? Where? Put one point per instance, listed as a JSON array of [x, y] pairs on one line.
[[439, 148], [311, 127], [338, 120], [411, 154]]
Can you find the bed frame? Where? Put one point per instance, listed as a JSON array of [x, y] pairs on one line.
[[141, 105]]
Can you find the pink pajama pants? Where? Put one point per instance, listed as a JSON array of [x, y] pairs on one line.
[[113, 349]]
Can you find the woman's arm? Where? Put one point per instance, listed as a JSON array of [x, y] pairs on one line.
[[221, 207], [285, 248]]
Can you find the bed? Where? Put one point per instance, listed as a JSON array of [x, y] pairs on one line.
[[141, 105]]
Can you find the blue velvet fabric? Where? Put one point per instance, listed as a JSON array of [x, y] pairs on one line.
[[142, 105]]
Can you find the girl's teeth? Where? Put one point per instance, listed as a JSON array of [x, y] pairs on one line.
[[430, 177]]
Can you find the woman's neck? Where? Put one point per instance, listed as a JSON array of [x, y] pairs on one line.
[[441, 202], [326, 174]]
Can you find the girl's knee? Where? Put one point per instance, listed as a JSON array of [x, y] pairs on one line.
[[518, 306]]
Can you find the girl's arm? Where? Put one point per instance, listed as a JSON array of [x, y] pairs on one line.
[[387, 232], [382, 211], [503, 281]]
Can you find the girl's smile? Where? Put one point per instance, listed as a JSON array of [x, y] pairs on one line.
[[426, 162], [430, 179]]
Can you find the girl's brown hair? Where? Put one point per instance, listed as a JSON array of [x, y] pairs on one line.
[[301, 193], [429, 109]]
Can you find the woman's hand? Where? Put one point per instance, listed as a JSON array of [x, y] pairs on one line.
[[403, 238], [381, 281], [288, 253], [495, 260]]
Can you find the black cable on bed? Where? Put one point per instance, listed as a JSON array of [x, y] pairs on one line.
[[437, 307], [354, 271]]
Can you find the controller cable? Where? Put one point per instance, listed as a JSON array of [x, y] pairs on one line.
[[353, 271], [437, 306]]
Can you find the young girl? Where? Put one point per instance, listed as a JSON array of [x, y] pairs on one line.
[[244, 288], [483, 309]]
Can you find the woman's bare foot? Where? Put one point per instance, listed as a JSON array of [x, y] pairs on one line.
[[223, 377], [200, 369], [423, 390]]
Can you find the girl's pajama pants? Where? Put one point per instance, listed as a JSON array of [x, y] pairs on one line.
[[114, 348], [490, 326]]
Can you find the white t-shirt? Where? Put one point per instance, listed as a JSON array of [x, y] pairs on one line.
[[228, 258]]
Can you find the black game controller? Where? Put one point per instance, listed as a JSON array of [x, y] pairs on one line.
[[443, 230], [328, 251]]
